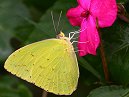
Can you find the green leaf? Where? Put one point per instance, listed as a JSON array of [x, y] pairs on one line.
[[88, 67], [117, 51], [11, 87], [23, 91], [109, 91], [5, 47], [127, 7], [126, 95], [121, 1], [11, 14]]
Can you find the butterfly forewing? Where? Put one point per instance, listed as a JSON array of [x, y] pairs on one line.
[[50, 64]]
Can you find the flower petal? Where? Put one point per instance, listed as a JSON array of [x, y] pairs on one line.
[[89, 38], [84, 4], [105, 11], [74, 15]]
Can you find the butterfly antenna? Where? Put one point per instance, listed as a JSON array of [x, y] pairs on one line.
[[59, 20], [53, 22], [62, 26]]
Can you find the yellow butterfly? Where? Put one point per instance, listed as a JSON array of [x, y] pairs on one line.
[[50, 64]]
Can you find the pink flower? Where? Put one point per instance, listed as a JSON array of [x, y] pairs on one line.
[[85, 15]]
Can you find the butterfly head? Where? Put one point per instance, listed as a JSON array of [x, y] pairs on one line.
[[60, 35]]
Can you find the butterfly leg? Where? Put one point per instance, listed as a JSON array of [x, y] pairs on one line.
[[73, 33], [75, 38], [81, 30], [79, 42], [79, 51]]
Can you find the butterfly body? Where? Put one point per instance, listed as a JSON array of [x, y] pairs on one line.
[[50, 64]]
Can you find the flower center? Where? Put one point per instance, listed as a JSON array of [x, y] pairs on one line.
[[85, 14]]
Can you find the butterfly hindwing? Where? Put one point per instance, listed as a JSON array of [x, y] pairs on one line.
[[50, 64]]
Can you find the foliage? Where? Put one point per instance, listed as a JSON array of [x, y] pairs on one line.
[[109, 91], [11, 87], [23, 22]]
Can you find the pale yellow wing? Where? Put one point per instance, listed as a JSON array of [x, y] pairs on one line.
[[50, 64]]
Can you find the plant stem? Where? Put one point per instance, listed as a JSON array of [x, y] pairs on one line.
[[44, 93], [104, 62], [102, 52]]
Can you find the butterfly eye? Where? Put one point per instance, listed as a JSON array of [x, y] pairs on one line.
[[61, 35]]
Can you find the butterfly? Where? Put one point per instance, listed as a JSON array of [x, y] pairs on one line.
[[50, 64]]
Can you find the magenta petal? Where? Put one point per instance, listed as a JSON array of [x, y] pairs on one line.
[[89, 38], [105, 11], [84, 4], [74, 15]]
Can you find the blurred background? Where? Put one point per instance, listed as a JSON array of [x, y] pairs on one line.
[[26, 21]]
